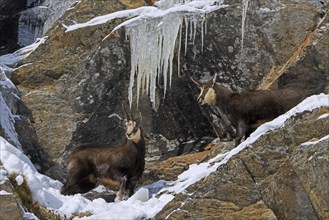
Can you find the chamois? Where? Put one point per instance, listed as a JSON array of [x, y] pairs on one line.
[[90, 165], [245, 110]]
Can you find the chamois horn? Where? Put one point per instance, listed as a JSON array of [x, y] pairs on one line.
[[196, 81], [126, 113]]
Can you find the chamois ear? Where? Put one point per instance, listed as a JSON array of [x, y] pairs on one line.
[[197, 82], [138, 119], [214, 80]]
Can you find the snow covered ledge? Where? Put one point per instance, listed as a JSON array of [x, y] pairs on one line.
[[46, 191]]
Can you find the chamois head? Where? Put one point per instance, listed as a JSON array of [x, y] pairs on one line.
[[207, 92], [132, 127]]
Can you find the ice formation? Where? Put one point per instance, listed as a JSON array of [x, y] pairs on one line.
[[8, 92], [38, 18], [245, 4], [154, 40], [155, 35]]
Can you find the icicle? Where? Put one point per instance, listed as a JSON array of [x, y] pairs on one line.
[[244, 15], [194, 21], [186, 28], [153, 41], [202, 31], [191, 28], [178, 52], [206, 25]]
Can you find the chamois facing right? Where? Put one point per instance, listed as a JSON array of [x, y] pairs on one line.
[[246, 109]]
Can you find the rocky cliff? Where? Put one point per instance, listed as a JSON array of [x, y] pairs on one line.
[[277, 177], [76, 82]]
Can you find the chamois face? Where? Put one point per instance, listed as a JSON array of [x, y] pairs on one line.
[[207, 95], [132, 130], [207, 92]]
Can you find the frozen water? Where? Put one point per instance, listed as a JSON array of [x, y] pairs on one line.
[[9, 94], [155, 33], [153, 41], [39, 17], [245, 4]]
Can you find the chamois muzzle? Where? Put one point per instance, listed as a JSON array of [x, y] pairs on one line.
[[132, 126], [207, 93]]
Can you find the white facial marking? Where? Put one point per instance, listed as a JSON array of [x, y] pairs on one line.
[[130, 125], [135, 137], [210, 97]]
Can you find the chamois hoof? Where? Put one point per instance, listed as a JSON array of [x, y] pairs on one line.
[[121, 196]]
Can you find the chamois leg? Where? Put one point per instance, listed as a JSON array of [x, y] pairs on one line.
[[249, 131], [122, 193], [130, 188], [241, 130]]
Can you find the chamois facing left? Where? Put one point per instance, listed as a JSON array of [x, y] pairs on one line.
[[245, 110], [90, 165]]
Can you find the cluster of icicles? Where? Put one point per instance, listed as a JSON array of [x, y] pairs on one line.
[[153, 46], [153, 43]]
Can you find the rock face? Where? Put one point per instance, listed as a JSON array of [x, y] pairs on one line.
[[76, 83], [10, 204], [278, 177], [15, 124]]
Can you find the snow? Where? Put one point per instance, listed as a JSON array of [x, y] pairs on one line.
[[7, 121], [154, 33], [38, 18], [3, 175], [106, 18], [323, 116], [315, 142], [7, 61], [148, 200], [9, 94], [4, 193], [19, 180]]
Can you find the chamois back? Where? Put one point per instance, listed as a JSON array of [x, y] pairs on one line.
[[246, 109]]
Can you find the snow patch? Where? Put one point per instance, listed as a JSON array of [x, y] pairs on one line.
[[315, 142], [7, 106], [9, 60], [19, 180], [323, 116], [4, 193]]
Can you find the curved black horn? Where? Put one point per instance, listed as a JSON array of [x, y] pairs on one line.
[[196, 81], [126, 113], [214, 78]]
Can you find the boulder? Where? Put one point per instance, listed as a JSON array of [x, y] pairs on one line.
[[278, 176], [10, 203]]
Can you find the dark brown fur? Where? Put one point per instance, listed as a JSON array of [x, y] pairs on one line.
[[90, 165], [246, 109]]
